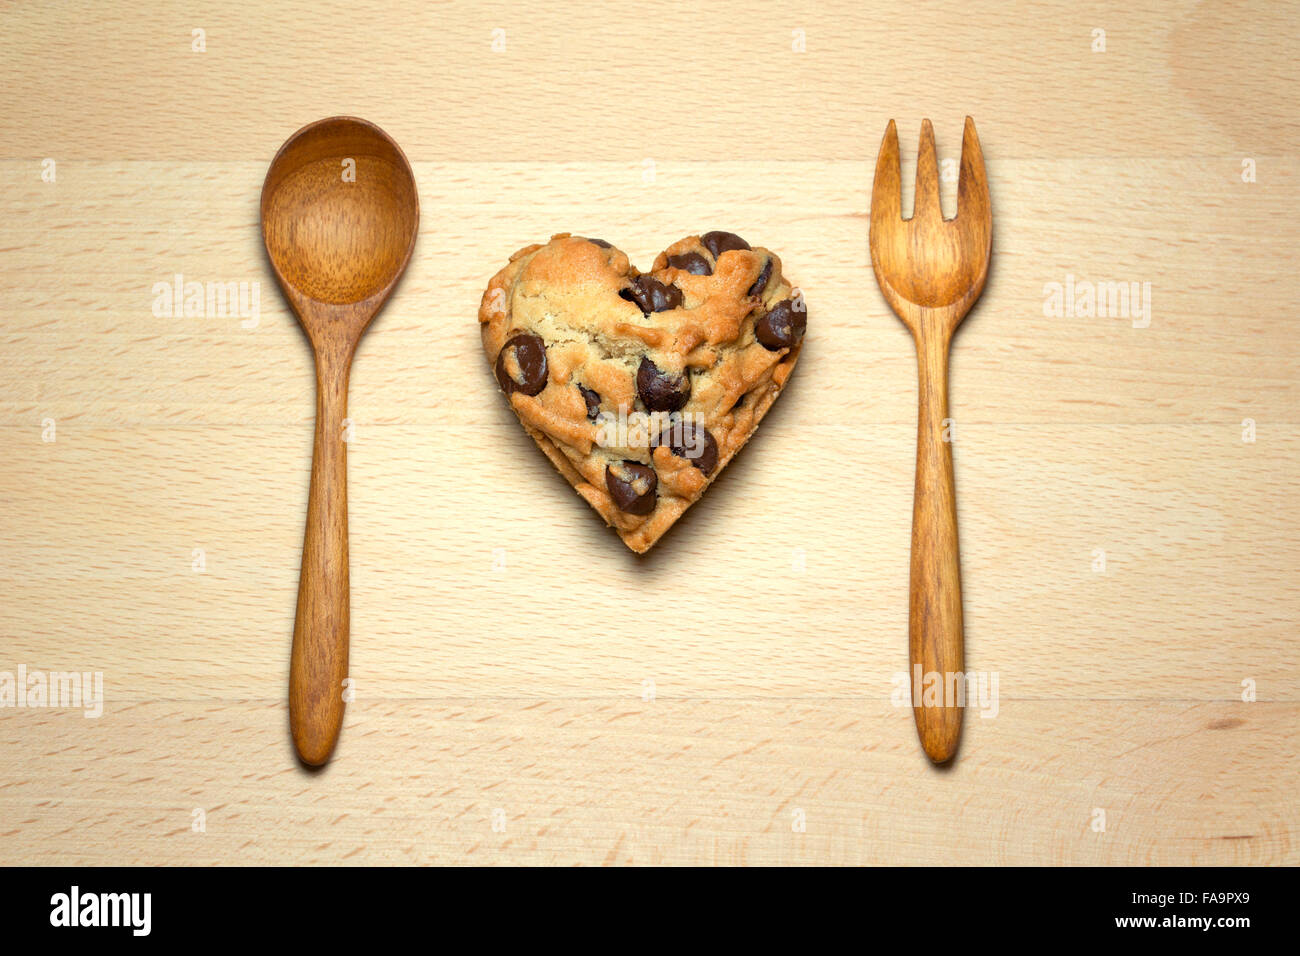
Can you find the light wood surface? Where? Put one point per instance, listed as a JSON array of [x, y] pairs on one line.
[[526, 690]]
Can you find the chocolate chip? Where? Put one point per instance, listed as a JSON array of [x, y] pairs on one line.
[[761, 282], [692, 442], [659, 391], [600, 242], [651, 295], [692, 262], [527, 372], [782, 327], [592, 398], [720, 242], [632, 486]]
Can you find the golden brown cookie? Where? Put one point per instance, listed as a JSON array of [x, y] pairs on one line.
[[641, 387]]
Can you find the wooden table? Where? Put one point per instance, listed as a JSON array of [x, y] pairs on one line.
[[527, 690]]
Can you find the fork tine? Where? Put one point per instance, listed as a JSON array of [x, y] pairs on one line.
[[886, 192], [973, 186], [927, 178]]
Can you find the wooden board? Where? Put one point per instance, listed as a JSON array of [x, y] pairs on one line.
[[527, 690]]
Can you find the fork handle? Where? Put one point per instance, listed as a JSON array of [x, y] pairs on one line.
[[935, 621]]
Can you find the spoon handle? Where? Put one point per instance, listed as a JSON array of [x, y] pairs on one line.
[[319, 662], [935, 622]]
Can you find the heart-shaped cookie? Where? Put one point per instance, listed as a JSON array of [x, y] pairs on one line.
[[641, 387]]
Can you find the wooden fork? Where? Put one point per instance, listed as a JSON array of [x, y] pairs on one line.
[[931, 271]]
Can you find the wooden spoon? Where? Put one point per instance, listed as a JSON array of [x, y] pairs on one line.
[[339, 219], [931, 271]]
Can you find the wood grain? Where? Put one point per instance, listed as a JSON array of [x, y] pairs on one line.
[[340, 216], [1128, 560], [931, 271]]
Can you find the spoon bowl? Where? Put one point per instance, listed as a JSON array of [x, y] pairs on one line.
[[339, 212], [339, 219]]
